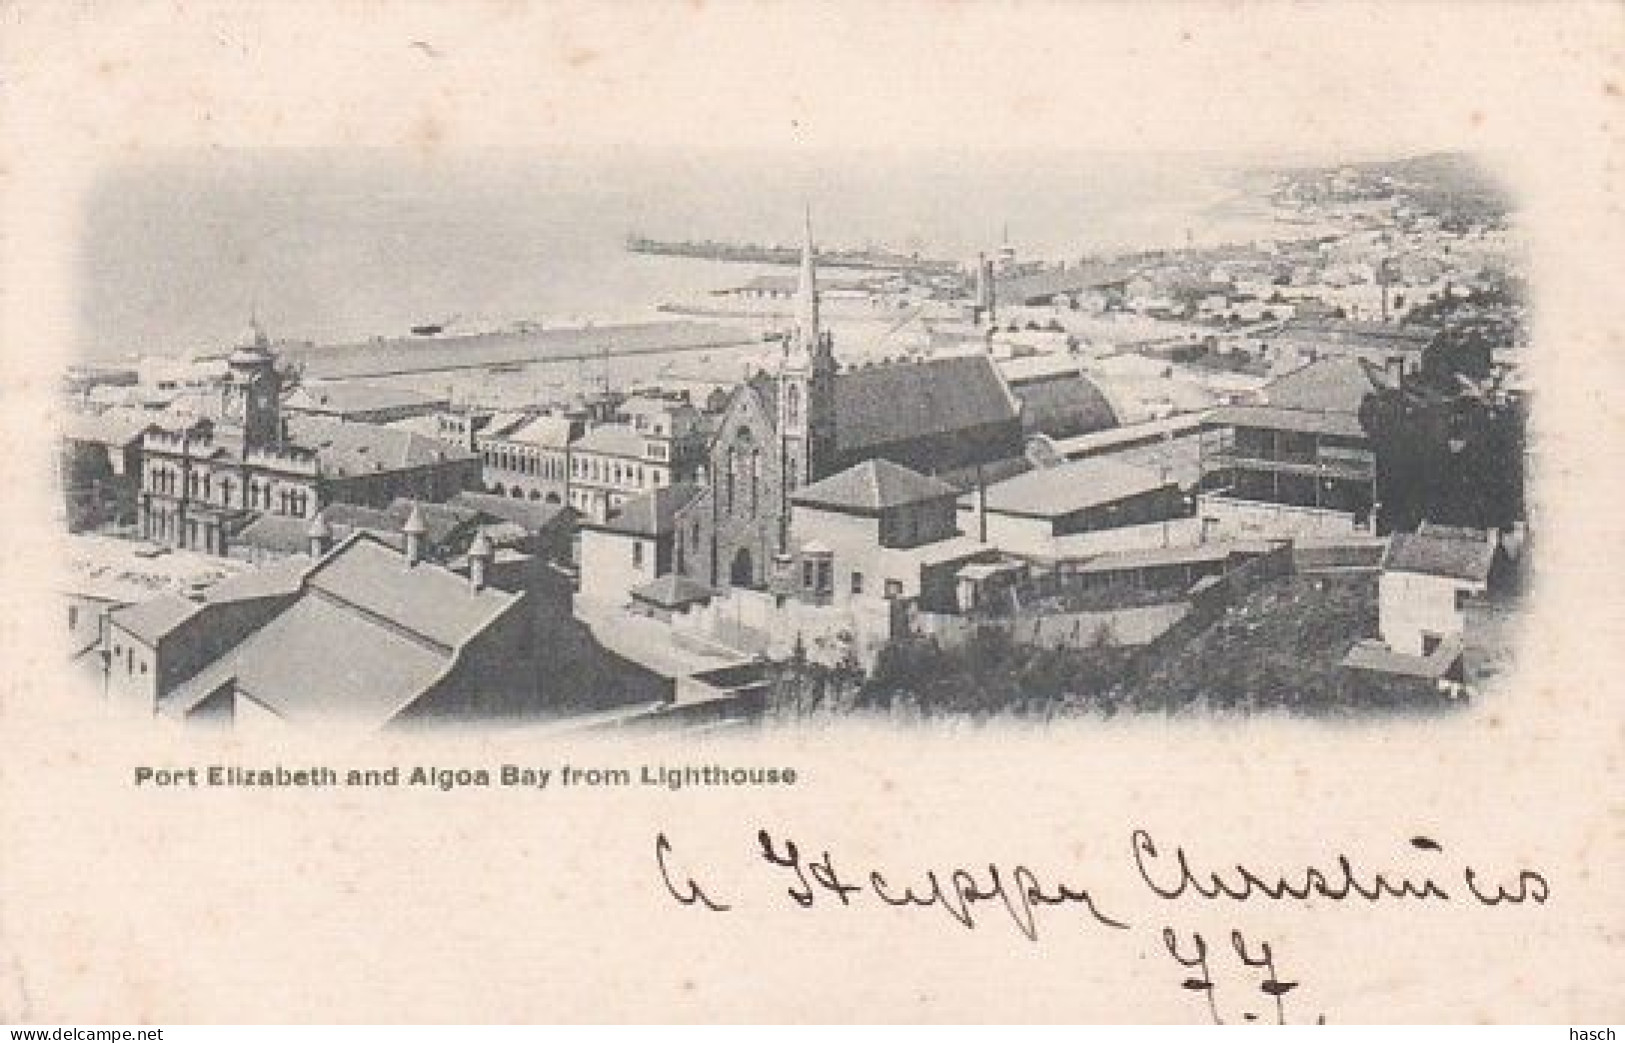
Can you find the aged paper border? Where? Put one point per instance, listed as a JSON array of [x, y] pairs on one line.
[[122, 906]]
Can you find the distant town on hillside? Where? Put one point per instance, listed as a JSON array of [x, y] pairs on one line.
[[815, 479]]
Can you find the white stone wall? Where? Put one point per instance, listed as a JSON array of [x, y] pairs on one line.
[[611, 567], [1412, 605]]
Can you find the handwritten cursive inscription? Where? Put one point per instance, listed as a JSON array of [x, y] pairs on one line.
[[969, 894]]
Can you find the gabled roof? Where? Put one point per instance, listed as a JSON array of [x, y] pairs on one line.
[[898, 402], [319, 662], [365, 639], [425, 599], [152, 621], [1467, 560], [873, 486], [1071, 487], [651, 514], [1330, 385]]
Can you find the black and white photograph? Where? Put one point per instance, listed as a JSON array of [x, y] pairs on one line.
[[710, 439], [810, 512]]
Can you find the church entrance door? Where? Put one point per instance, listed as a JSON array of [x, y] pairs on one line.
[[741, 575]]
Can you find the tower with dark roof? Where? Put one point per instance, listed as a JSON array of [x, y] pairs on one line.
[[251, 397]]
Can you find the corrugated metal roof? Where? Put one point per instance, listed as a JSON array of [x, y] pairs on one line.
[[1071, 487]]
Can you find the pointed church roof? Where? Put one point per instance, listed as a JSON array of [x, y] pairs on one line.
[[807, 292], [898, 402], [873, 486]]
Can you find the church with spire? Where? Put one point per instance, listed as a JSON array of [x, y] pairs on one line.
[[807, 418]]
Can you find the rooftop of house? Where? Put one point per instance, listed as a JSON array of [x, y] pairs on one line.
[[673, 590], [1446, 557], [651, 514], [350, 449], [1329, 385], [114, 428], [533, 515], [1069, 488], [1376, 657], [547, 431], [152, 621], [275, 579], [871, 487], [1302, 421], [612, 440]]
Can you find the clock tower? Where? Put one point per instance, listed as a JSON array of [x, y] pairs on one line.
[[252, 396]]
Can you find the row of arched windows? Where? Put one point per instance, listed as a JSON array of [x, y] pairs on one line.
[[522, 461]]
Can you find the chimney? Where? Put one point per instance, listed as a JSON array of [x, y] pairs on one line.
[[479, 558], [321, 536], [414, 530], [981, 505]]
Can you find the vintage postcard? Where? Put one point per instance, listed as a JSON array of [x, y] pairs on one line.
[[744, 512]]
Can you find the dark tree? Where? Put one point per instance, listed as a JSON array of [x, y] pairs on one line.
[[1449, 444]]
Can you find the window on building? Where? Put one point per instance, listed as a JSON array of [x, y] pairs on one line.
[[894, 588], [857, 583], [637, 554], [793, 406], [73, 616]]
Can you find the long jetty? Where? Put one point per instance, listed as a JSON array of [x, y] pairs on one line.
[[392, 356]]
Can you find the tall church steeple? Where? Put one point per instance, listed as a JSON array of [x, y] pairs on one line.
[[806, 390], [807, 331]]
